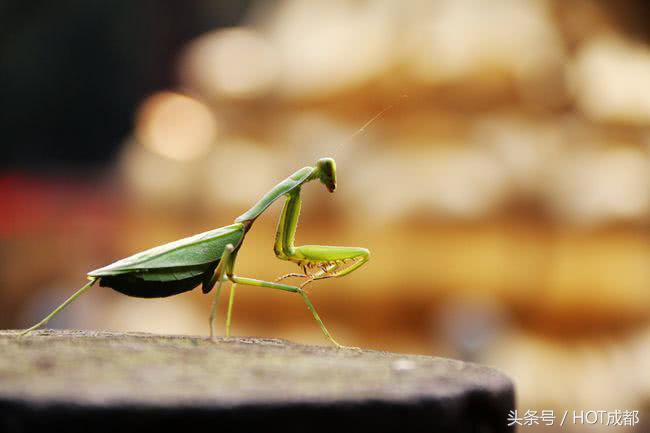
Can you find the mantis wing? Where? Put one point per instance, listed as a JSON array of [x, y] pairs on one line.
[[134, 284], [179, 258]]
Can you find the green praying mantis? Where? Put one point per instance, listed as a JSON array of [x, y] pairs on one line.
[[208, 259]]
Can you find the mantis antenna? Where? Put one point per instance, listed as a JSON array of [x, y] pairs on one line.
[[369, 122]]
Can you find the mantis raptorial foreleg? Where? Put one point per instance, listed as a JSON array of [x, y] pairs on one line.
[[330, 260], [290, 275]]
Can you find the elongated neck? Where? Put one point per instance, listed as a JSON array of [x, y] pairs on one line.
[[286, 186]]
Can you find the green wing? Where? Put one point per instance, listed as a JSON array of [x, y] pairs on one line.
[[188, 255], [172, 274], [293, 181]]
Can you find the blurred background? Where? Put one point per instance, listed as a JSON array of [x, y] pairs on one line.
[[505, 197]]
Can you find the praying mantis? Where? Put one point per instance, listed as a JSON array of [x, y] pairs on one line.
[[208, 259]]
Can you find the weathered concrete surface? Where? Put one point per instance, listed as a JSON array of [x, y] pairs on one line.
[[102, 381]]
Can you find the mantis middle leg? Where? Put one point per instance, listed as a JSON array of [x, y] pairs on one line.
[[226, 269], [231, 300], [291, 289], [226, 263]]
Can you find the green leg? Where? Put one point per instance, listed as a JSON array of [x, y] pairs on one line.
[[217, 280], [292, 289], [213, 308], [59, 308], [231, 300], [335, 273]]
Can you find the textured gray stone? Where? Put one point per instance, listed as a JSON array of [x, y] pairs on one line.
[[103, 381]]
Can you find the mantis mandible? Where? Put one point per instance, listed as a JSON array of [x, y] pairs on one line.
[[209, 258]]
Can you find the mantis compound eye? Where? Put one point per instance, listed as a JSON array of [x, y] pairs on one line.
[[327, 173]]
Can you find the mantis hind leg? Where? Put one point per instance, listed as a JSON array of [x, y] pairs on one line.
[[291, 289], [59, 308]]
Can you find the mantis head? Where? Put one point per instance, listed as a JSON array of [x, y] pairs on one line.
[[326, 172]]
